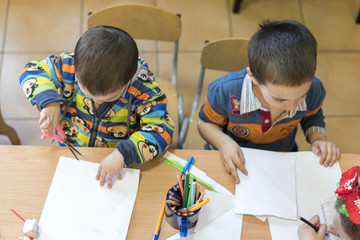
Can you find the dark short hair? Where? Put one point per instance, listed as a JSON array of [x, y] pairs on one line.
[[282, 53], [105, 59]]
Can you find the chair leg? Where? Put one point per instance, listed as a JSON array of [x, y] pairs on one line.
[[8, 131], [358, 18], [237, 4]]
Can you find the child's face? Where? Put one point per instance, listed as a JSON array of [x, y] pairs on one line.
[[284, 97], [99, 99]]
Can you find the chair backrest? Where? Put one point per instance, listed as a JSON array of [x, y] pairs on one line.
[[229, 54], [149, 23], [140, 21]]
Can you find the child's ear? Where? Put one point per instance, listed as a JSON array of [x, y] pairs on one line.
[[251, 76]]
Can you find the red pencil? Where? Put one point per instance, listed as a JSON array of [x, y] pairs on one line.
[[181, 186], [17, 215]]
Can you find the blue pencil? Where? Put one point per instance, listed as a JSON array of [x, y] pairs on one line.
[[188, 165]]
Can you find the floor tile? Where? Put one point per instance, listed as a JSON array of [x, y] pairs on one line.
[[47, 25], [246, 23], [28, 132], [95, 5], [201, 20], [343, 131], [3, 8], [333, 23], [340, 73], [13, 101]]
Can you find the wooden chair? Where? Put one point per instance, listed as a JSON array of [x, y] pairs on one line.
[[150, 23], [228, 55], [8, 131]]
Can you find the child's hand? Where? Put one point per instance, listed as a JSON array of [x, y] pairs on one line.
[[329, 152], [305, 232], [233, 158], [49, 118], [333, 230], [111, 165]]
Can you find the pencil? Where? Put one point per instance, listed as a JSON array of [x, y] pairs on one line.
[[158, 225], [188, 164], [197, 192], [17, 215], [310, 224], [181, 186], [186, 189], [189, 197], [201, 197], [193, 192], [197, 206]]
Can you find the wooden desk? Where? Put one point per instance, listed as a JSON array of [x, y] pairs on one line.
[[26, 173]]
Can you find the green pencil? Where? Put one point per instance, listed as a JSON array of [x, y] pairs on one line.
[[186, 189]]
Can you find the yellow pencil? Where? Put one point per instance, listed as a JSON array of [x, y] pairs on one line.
[[197, 206], [157, 230]]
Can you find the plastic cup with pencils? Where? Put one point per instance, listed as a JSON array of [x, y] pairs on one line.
[[183, 206]]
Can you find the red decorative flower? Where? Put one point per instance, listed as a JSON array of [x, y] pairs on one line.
[[348, 189]]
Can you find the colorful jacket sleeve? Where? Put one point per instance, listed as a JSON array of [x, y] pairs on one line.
[[155, 127], [42, 81]]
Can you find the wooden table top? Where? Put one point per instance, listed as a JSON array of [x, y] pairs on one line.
[[26, 173]]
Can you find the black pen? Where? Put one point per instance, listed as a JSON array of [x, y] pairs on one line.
[[310, 224]]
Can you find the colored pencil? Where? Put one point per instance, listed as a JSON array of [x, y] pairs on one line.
[[193, 191], [158, 225], [181, 186], [197, 206], [17, 215], [186, 189], [188, 164], [201, 197]]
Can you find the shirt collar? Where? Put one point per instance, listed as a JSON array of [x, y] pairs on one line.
[[249, 102]]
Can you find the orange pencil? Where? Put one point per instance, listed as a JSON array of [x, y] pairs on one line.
[[201, 197], [181, 185]]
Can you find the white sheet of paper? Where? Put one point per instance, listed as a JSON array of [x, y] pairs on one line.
[[218, 205], [217, 219], [228, 226], [78, 208], [315, 184], [269, 188]]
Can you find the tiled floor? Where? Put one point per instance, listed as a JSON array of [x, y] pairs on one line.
[[35, 30]]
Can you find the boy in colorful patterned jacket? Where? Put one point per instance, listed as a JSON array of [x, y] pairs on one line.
[[103, 95], [261, 106]]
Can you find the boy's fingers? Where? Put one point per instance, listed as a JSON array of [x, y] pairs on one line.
[[241, 166], [329, 155], [43, 117], [235, 175], [322, 230], [98, 173], [109, 180], [118, 175], [323, 154], [315, 220], [102, 177]]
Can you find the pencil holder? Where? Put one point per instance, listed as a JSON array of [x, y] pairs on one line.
[[177, 219]]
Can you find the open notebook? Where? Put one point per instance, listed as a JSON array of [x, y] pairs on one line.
[[78, 208]]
